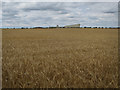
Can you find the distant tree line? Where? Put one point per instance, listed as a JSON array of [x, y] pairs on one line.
[[63, 27]]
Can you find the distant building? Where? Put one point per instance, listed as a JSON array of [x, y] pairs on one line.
[[73, 26]]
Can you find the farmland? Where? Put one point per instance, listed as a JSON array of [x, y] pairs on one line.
[[60, 58]]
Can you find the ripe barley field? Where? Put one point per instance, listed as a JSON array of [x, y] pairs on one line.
[[60, 58]]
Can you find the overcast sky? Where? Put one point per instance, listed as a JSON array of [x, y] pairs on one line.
[[29, 14]]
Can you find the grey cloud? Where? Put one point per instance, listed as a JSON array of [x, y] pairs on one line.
[[110, 12], [71, 17], [44, 6], [41, 8], [10, 15], [51, 13], [93, 18], [9, 11], [63, 12]]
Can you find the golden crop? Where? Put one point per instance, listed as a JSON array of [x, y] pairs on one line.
[[60, 58]]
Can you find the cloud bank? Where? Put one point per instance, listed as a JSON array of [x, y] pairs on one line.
[[30, 14]]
